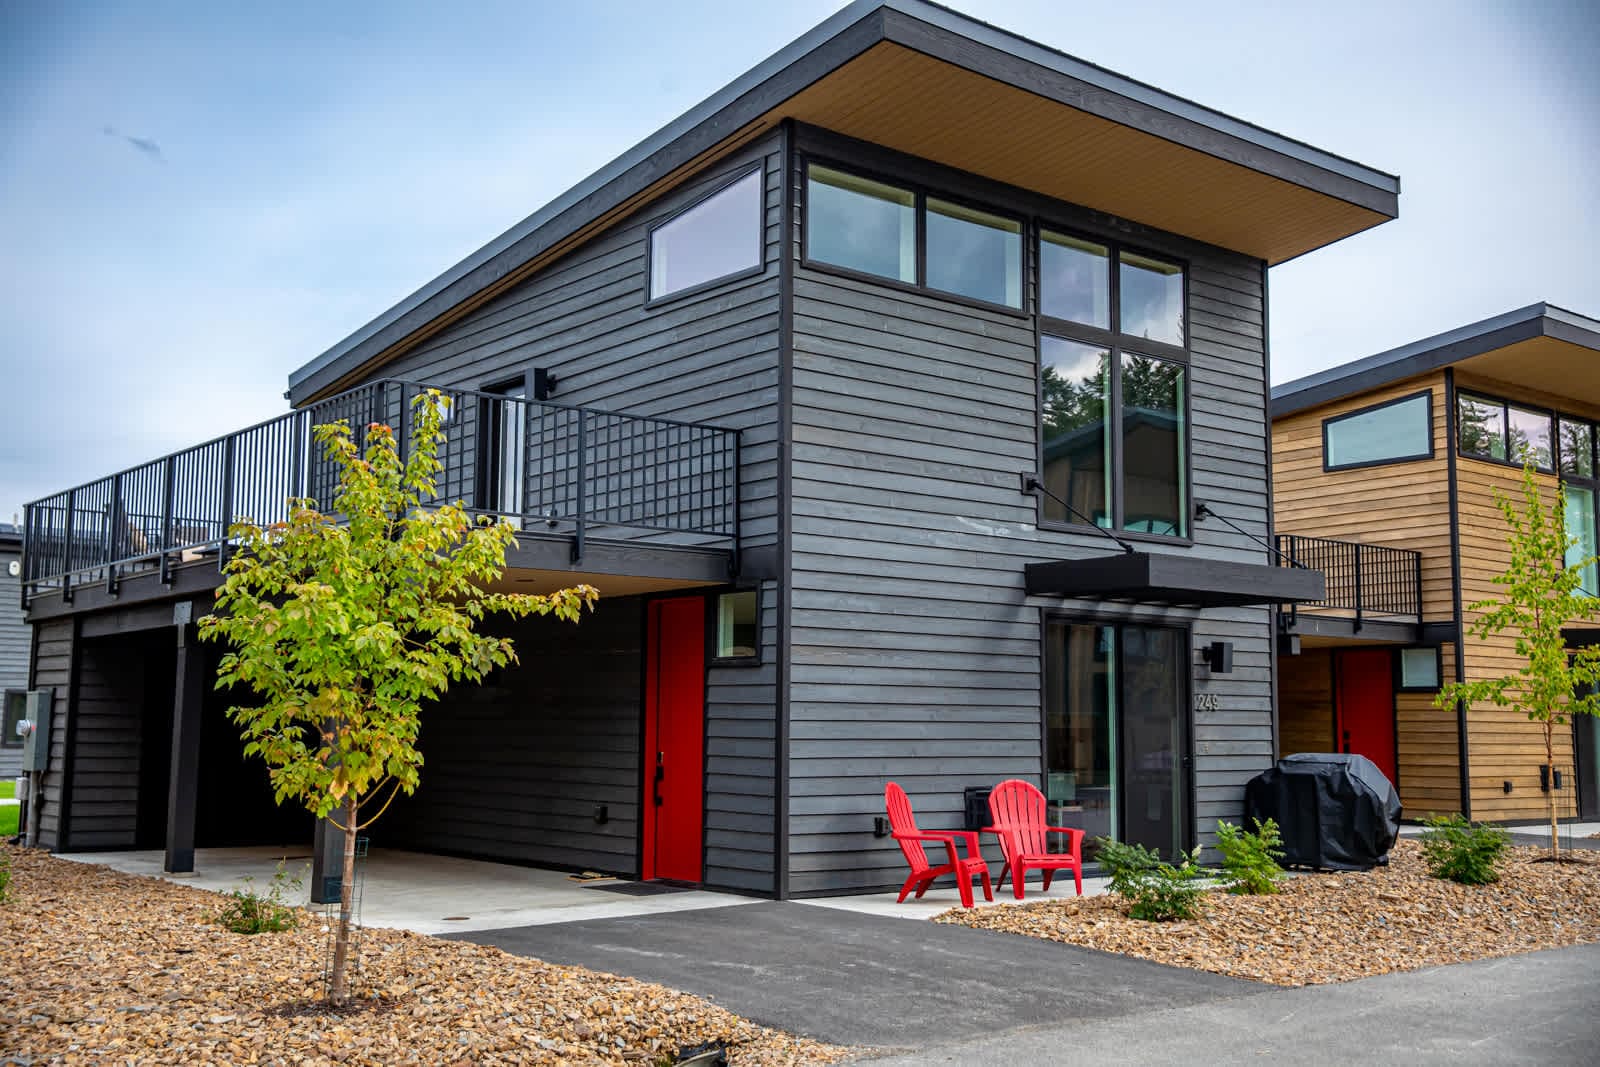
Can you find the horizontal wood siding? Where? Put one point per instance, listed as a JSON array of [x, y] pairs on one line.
[[1504, 745], [741, 763], [916, 656], [52, 668], [15, 640], [105, 773], [710, 357], [1305, 702], [1403, 505], [515, 768], [1430, 749]]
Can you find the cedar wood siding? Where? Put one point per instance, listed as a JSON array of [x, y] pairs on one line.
[[915, 655], [15, 638], [710, 357], [1404, 505], [1503, 745]]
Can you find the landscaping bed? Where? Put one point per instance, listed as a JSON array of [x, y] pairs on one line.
[[105, 967], [1336, 927]]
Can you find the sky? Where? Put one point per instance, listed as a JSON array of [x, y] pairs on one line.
[[196, 199]]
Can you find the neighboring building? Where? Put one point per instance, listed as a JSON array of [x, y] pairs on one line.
[[1403, 452], [822, 299], [14, 635]]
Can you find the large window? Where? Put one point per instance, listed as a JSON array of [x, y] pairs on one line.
[[911, 237], [714, 239], [1494, 429], [1114, 387], [1391, 432]]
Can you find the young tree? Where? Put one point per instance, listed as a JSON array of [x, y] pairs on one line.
[[1542, 595], [345, 625]]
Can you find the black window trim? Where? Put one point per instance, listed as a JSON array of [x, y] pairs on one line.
[[1506, 404], [1369, 409], [760, 266], [1116, 344], [920, 194], [1400, 673], [8, 739], [713, 617]]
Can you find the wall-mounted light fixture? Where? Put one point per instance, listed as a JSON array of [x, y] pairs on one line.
[[544, 384], [880, 826], [1217, 657]]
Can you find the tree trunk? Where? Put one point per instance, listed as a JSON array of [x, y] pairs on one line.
[[339, 984], [1550, 777]]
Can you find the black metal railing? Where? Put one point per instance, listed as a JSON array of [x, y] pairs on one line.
[[1367, 581], [549, 467]]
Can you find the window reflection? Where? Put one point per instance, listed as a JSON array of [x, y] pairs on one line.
[[1151, 303], [1076, 429], [1482, 427], [1528, 433], [1075, 280], [1580, 524], [1152, 446], [717, 237], [1577, 448], [1080, 730], [973, 253], [861, 224]]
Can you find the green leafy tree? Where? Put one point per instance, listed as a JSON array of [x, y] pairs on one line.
[[345, 625], [1542, 594]]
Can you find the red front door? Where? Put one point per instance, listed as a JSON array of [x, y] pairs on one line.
[[674, 739], [1366, 706]]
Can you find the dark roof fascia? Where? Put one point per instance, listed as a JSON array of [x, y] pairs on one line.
[[1433, 353], [916, 24], [1172, 579]]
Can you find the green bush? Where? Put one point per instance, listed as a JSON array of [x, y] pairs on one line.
[[5, 877], [1155, 890], [1250, 860], [245, 911], [1463, 852]]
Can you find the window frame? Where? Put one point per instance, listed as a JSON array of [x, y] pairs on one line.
[[1116, 344], [920, 193], [760, 266], [713, 620], [1400, 670], [8, 739], [1369, 409], [1506, 404]]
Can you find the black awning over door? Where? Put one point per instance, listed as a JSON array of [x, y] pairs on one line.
[[1173, 579]]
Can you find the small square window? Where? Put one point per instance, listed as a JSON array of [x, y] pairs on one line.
[[1481, 429], [1152, 299], [1419, 669], [861, 224], [974, 254], [16, 709], [738, 626], [1529, 433]]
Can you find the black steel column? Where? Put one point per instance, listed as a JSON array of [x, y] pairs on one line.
[[183, 793]]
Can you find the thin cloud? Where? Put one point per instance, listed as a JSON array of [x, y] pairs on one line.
[[143, 144]]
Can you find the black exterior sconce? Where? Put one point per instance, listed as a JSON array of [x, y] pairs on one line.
[[1217, 657], [544, 384], [880, 826]]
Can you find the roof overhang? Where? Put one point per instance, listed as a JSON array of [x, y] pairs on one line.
[[1145, 577], [924, 80], [1539, 347]]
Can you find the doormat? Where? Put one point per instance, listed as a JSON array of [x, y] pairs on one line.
[[641, 889]]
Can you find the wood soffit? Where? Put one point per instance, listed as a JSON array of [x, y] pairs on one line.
[[924, 106]]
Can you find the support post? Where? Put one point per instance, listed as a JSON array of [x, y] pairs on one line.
[[183, 794], [327, 863]]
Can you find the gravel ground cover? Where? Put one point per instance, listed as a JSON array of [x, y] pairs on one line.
[[109, 968], [1336, 927]]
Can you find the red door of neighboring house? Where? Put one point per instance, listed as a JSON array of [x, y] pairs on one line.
[[1366, 706], [674, 739]]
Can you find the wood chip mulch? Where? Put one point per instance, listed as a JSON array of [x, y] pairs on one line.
[[1336, 927], [102, 967]]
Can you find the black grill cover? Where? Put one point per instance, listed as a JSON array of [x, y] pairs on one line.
[[1335, 811]]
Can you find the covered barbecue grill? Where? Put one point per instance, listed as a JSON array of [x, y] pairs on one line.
[[1335, 811]]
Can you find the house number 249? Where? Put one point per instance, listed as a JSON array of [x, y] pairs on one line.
[[1207, 702]]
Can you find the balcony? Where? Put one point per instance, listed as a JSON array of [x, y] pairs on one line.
[[1374, 592], [571, 478]]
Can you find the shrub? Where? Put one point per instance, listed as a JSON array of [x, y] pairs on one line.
[[1463, 852], [1250, 860], [245, 911], [5, 877], [1155, 890]]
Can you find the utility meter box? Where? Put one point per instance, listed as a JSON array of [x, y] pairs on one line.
[[36, 742]]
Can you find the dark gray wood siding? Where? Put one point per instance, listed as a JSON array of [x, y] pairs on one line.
[[105, 773], [515, 768], [708, 357], [916, 654], [15, 638], [52, 668]]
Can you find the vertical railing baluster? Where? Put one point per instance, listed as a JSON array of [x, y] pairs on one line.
[[227, 499], [577, 540]]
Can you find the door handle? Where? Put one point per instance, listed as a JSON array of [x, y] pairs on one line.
[[660, 775]]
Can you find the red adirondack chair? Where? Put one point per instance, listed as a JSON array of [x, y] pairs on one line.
[[1017, 810], [923, 873]]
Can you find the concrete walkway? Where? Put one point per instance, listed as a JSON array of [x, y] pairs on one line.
[[1541, 1008], [856, 979]]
